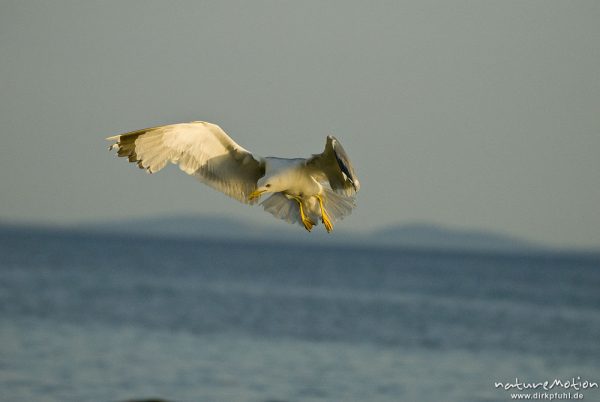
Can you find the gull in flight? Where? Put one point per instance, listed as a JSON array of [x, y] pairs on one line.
[[302, 190]]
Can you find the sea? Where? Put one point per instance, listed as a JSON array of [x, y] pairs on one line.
[[102, 318]]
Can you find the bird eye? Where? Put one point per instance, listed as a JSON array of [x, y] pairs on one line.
[[268, 185]]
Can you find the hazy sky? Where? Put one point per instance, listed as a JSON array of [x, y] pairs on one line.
[[476, 114]]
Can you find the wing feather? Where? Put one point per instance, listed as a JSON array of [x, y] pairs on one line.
[[200, 149]]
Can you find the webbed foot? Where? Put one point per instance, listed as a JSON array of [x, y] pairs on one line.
[[324, 216]]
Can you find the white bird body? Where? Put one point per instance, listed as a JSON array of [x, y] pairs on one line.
[[322, 187], [291, 176]]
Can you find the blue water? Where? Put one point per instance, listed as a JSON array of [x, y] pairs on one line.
[[88, 317]]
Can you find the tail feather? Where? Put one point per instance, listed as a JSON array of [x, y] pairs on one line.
[[282, 207], [337, 206]]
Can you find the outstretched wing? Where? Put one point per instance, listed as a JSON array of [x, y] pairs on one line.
[[201, 149], [334, 164]]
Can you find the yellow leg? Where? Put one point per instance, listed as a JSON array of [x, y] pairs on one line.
[[326, 221], [306, 221]]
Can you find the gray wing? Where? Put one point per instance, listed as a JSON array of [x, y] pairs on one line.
[[334, 164], [201, 149]]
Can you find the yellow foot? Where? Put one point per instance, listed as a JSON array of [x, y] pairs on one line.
[[308, 223], [327, 223], [324, 217]]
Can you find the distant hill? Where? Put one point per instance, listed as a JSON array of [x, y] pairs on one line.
[[195, 226], [417, 235], [183, 225], [439, 237], [413, 236]]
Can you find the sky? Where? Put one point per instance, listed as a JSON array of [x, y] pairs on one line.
[[471, 114]]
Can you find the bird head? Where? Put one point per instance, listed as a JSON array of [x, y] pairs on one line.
[[266, 185]]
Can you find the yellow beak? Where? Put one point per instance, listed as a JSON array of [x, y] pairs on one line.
[[255, 194]]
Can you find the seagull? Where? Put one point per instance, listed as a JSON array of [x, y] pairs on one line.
[[302, 190]]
